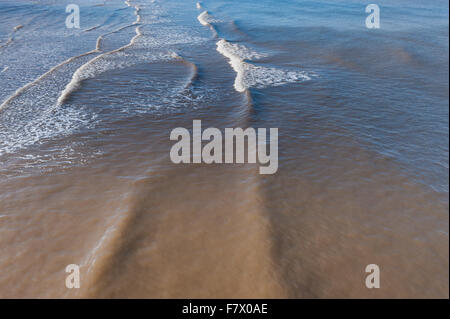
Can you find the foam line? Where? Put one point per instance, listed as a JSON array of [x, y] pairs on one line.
[[19, 91], [11, 37], [78, 75]]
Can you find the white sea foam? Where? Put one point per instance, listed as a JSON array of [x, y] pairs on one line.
[[166, 37], [41, 126], [117, 59], [31, 114], [205, 18], [250, 75], [138, 16], [11, 37], [82, 72], [157, 48], [238, 51], [21, 90], [86, 70], [31, 125]]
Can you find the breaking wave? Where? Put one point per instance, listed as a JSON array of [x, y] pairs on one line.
[[242, 60]]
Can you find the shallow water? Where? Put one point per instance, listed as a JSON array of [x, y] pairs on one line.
[[86, 177]]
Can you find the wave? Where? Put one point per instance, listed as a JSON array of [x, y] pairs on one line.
[[138, 16], [33, 116], [248, 74], [81, 74], [205, 19], [92, 67], [238, 50], [32, 112], [121, 58], [11, 37], [21, 90], [93, 28], [137, 10], [97, 49]]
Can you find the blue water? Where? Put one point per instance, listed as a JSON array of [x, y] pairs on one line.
[[388, 87]]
